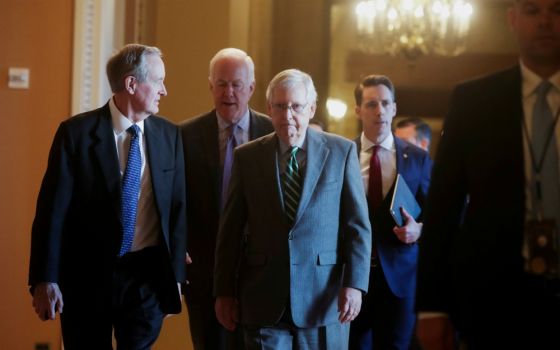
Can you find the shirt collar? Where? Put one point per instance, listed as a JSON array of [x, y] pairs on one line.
[[120, 122], [243, 123], [531, 80], [284, 148], [387, 143]]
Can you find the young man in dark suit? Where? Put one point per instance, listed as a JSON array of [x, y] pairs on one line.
[[208, 142], [387, 318], [478, 271], [108, 239]]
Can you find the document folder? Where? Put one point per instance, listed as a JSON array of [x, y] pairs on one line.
[[402, 197]]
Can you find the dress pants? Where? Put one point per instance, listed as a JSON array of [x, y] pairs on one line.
[[130, 307], [385, 321], [285, 335]]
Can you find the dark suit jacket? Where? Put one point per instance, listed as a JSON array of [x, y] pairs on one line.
[[327, 248], [399, 260], [77, 230], [480, 155], [204, 188]]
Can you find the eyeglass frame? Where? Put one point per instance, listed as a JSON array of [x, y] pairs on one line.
[[281, 107]]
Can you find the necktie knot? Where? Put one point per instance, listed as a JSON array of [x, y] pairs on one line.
[[543, 88], [292, 165], [133, 130]]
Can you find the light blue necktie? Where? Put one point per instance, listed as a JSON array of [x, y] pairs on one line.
[[292, 186], [228, 162], [543, 123], [130, 189]]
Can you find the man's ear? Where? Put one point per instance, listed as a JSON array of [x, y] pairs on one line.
[[130, 84]]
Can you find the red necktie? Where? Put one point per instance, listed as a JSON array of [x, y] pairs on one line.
[[375, 192]]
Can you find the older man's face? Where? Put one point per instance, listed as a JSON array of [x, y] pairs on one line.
[[231, 88], [147, 94], [290, 112]]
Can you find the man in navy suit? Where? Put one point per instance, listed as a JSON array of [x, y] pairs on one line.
[[205, 141], [473, 271], [387, 317], [107, 260], [293, 249]]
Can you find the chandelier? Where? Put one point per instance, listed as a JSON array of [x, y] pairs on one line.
[[413, 27]]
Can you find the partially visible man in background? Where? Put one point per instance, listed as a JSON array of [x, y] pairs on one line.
[[415, 131], [209, 140], [388, 317]]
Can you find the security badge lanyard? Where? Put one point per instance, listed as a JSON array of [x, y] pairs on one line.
[[540, 233]]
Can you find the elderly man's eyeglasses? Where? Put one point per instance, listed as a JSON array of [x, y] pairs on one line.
[[296, 108]]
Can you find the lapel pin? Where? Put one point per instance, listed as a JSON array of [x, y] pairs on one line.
[[405, 155]]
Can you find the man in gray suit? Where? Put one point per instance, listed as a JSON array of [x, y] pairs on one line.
[[294, 244], [206, 139]]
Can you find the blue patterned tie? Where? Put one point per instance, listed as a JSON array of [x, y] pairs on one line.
[[130, 189], [228, 162], [292, 187]]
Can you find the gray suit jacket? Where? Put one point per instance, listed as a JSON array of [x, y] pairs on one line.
[[327, 248]]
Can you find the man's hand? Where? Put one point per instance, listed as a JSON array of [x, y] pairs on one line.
[[227, 312], [411, 230], [435, 333], [349, 304], [47, 300]]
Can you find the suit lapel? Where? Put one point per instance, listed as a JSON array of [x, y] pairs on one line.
[[157, 155], [268, 162], [317, 153], [254, 127], [401, 153], [106, 153], [211, 148]]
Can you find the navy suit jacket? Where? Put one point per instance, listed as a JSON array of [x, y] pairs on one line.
[[77, 230], [399, 260], [272, 264], [204, 188]]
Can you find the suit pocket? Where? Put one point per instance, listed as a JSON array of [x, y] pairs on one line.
[[327, 185], [255, 260], [327, 258]]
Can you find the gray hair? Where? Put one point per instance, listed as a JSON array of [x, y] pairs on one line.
[[129, 61], [289, 78], [236, 54]]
